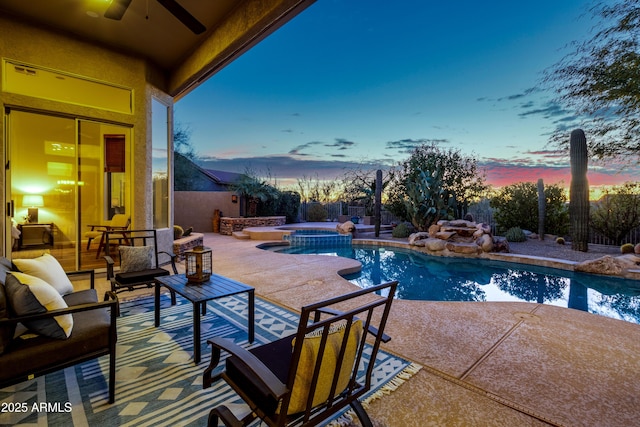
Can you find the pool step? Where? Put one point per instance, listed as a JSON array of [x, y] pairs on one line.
[[241, 235]]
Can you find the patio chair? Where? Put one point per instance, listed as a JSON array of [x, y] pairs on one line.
[[138, 256], [306, 378], [117, 222]]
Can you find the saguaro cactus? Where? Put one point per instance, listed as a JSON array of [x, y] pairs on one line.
[[579, 192], [542, 205], [378, 202]]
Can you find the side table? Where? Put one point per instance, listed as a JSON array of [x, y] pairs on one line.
[[35, 235], [198, 294]]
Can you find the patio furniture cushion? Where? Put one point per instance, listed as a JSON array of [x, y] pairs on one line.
[[133, 277], [135, 258], [307, 363], [47, 268], [5, 267], [6, 332], [32, 353], [31, 295]]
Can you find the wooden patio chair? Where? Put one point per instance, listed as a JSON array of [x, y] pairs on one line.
[[138, 256], [306, 378], [118, 222]]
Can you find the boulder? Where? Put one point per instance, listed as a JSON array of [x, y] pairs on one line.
[[486, 228], [609, 265], [463, 248], [435, 245], [444, 235], [500, 244], [460, 231], [419, 243], [636, 249], [458, 236], [462, 223], [421, 235], [485, 242], [346, 227]]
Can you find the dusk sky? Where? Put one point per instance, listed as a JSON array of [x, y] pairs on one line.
[[361, 82]]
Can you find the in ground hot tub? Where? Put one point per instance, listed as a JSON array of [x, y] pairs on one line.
[[317, 238]]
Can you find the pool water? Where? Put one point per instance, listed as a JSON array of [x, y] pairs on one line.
[[432, 278]]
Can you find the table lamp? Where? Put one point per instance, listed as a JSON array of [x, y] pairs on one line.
[[33, 202]]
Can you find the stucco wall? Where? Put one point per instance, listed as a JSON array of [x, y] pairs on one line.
[[195, 208], [42, 48]]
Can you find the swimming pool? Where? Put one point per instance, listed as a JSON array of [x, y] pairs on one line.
[[431, 278]]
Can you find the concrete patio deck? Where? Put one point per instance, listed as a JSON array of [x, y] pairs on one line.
[[484, 363]]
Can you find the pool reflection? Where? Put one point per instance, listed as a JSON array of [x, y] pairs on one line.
[[431, 278]]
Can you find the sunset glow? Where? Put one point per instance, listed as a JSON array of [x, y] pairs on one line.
[[389, 77]]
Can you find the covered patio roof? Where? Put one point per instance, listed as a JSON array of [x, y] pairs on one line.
[[153, 30]]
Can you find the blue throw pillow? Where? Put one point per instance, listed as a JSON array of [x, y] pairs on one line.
[[31, 295]]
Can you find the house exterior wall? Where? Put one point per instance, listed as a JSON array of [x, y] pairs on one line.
[[32, 45], [196, 208]]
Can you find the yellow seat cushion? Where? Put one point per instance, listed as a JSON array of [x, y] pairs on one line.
[[307, 363]]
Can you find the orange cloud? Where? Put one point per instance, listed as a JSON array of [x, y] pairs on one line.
[[502, 175]]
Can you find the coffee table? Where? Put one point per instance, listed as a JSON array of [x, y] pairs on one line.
[[217, 287]]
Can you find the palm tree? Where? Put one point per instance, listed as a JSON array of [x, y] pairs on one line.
[[254, 191]]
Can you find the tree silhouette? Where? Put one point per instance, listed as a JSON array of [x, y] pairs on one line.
[[599, 81], [530, 286]]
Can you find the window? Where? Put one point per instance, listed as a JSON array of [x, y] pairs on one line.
[[160, 164]]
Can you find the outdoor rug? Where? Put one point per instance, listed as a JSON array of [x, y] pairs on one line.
[[157, 382]]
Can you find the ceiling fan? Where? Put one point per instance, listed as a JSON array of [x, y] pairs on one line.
[[117, 8]]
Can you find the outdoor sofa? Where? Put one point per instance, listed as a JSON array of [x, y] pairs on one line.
[[91, 335]]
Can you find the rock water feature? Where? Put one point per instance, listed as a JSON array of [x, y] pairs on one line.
[[316, 238], [459, 237]]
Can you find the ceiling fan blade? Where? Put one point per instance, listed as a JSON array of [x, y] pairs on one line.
[[183, 16], [116, 9]]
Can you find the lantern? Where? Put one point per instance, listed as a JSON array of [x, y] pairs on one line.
[[198, 264]]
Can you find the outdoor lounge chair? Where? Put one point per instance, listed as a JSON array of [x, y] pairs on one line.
[[306, 378]]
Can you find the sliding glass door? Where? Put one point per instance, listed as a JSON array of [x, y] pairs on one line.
[[65, 175]]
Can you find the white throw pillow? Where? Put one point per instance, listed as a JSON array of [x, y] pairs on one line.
[[31, 295], [47, 268]]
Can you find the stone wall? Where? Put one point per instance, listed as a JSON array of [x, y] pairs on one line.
[[187, 243], [228, 225]]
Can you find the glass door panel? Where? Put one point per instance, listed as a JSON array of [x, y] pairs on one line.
[[43, 171], [61, 184], [103, 190]]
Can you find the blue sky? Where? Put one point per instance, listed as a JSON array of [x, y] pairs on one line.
[[355, 82]]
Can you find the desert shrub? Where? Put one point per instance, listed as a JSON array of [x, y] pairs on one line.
[[516, 205], [560, 240], [515, 234], [177, 232], [460, 175], [401, 231], [288, 205], [627, 248], [617, 212], [317, 213]]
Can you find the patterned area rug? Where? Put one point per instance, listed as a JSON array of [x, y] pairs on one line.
[[157, 382]]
